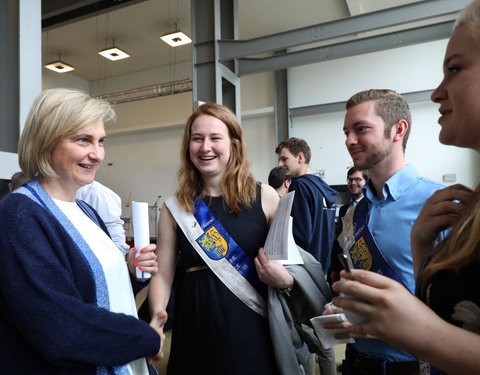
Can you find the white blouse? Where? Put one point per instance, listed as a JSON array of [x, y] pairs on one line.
[[114, 267]]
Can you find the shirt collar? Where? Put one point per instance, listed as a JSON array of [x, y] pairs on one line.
[[355, 201], [395, 185]]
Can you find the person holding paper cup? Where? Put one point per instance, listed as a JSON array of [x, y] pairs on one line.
[[442, 326], [375, 232], [209, 235], [65, 288]]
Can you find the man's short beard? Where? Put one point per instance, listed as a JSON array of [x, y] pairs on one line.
[[376, 158]]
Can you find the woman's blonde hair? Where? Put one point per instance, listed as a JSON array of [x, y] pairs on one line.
[[462, 246], [238, 185], [469, 16], [54, 115]]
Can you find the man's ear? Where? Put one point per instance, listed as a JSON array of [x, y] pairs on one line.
[[301, 157], [399, 130]]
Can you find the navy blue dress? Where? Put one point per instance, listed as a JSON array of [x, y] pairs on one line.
[[214, 332]]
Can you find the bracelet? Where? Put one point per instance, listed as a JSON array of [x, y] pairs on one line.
[[287, 289]]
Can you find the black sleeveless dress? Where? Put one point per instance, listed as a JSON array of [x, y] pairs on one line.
[[214, 332], [455, 297]]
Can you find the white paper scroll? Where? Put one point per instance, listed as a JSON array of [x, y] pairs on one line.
[[141, 235]]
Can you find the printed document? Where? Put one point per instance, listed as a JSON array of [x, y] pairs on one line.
[[280, 244]]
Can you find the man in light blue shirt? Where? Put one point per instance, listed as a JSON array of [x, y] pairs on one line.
[[377, 125]]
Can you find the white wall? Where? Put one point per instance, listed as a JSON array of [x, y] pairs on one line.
[[52, 80], [406, 69], [258, 122], [142, 78], [143, 165]]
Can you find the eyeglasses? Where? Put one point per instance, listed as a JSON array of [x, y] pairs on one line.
[[354, 179]]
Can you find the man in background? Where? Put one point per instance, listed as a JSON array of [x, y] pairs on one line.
[[109, 206], [17, 180], [279, 181], [313, 209], [356, 179], [313, 213]]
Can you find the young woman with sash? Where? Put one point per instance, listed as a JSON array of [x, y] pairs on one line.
[[442, 325], [66, 296], [210, 233], [208, 236]]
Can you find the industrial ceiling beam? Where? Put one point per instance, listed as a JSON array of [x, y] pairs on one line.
[[424, 10], [424, 34]]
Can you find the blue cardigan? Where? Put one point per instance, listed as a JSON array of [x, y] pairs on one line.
[[50, 319]]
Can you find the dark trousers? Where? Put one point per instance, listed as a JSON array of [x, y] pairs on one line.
[[356, 363]]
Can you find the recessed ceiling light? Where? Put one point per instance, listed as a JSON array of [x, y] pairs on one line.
[[176, 39], [114, 54], [59, 67]]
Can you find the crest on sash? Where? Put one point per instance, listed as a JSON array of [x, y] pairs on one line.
[[213, 243], [360, 255]]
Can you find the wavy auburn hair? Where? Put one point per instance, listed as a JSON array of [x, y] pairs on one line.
[[238, 185]]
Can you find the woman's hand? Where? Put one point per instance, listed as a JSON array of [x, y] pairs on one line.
[[157, 323], [146, 261], [402, 320], [272, 272], [441, 211], [396, 316]]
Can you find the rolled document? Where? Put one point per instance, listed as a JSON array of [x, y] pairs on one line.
[[141, 235]]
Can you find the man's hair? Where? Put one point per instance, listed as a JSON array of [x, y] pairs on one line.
[[276, 177], [17, 180], [56, 114], [295, 146], [355, 170], [389, 105]]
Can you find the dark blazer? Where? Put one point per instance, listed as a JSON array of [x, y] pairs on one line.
[[342, 212]]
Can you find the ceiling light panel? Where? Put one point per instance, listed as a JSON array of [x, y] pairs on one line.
[[176, 39], [114, 54], [59, 67]]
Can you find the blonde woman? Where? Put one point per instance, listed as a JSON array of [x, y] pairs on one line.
[[67, 302]]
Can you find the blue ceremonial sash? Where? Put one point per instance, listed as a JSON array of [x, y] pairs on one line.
[[221, 254], [365, 253], [35, 191], [218, 244]]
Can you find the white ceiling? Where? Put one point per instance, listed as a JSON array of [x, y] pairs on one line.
[[137, 29]]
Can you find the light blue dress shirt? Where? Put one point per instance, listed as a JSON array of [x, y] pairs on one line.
[[390, 222]]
